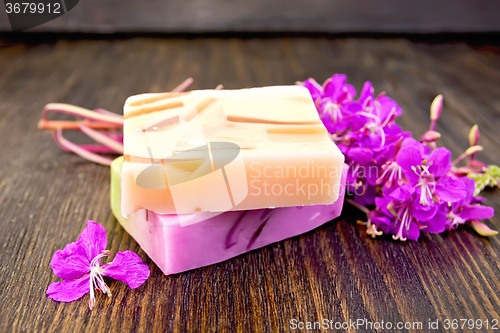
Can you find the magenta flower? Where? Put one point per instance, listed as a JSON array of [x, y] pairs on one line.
[[79, 265], [362, 174], [334, 90], [408, 219], [461, 211], [378, 115], [413, 184], [334, 101], [428, 173]]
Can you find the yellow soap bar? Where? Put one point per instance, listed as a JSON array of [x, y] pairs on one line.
[[222, 150]]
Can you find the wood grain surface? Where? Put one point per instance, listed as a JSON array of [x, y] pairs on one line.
[[335, 272], [333, 16]]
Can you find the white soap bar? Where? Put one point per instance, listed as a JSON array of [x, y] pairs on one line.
[[226, 150]]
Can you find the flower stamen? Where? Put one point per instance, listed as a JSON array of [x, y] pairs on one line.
[[394, 171], [96, 278]]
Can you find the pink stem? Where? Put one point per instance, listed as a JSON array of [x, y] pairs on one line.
[[184, 85], [108, 113], [432, 126], [358, 206], [114, 136], [112, 142], [101, 138], [459, 158], [80, 112], [61, 141], [92, 148], [98, 149]]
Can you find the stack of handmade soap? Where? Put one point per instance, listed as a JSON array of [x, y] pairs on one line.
[[207, 175]]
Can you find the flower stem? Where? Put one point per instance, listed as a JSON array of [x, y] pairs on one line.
[[66, 144], [102, 139], [75, 125], [358, 206], [110, 139], [184, 85]]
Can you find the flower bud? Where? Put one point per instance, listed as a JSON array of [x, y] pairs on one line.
[[436, 106], [473, 150], [482, 228], [430, 136], [474, 135], [463, 171], [477, 164]]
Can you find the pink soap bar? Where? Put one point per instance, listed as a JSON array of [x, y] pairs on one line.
[[177, 246]]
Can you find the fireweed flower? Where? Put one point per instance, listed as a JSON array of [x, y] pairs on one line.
[[408, 217], [461, 211], [362, 174], [378, 115], [333, 101], [79, 265], [428, 173], [413, 185]]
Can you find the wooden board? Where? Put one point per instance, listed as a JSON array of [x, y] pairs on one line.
[[339, 16], [335, 272]]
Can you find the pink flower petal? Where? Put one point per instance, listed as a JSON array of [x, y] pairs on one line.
[[407, 158], [474, 212], [425, 213], [450, 190], [439, 162], [69, 290], [93, 240], [71, 262], [129, 268], [413, 232]]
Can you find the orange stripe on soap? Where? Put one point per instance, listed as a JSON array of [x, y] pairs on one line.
[[156, 98], [199, 108], [145, 110]]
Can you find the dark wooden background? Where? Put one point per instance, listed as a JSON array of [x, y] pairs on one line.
[[334, 272], [333, 16]]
